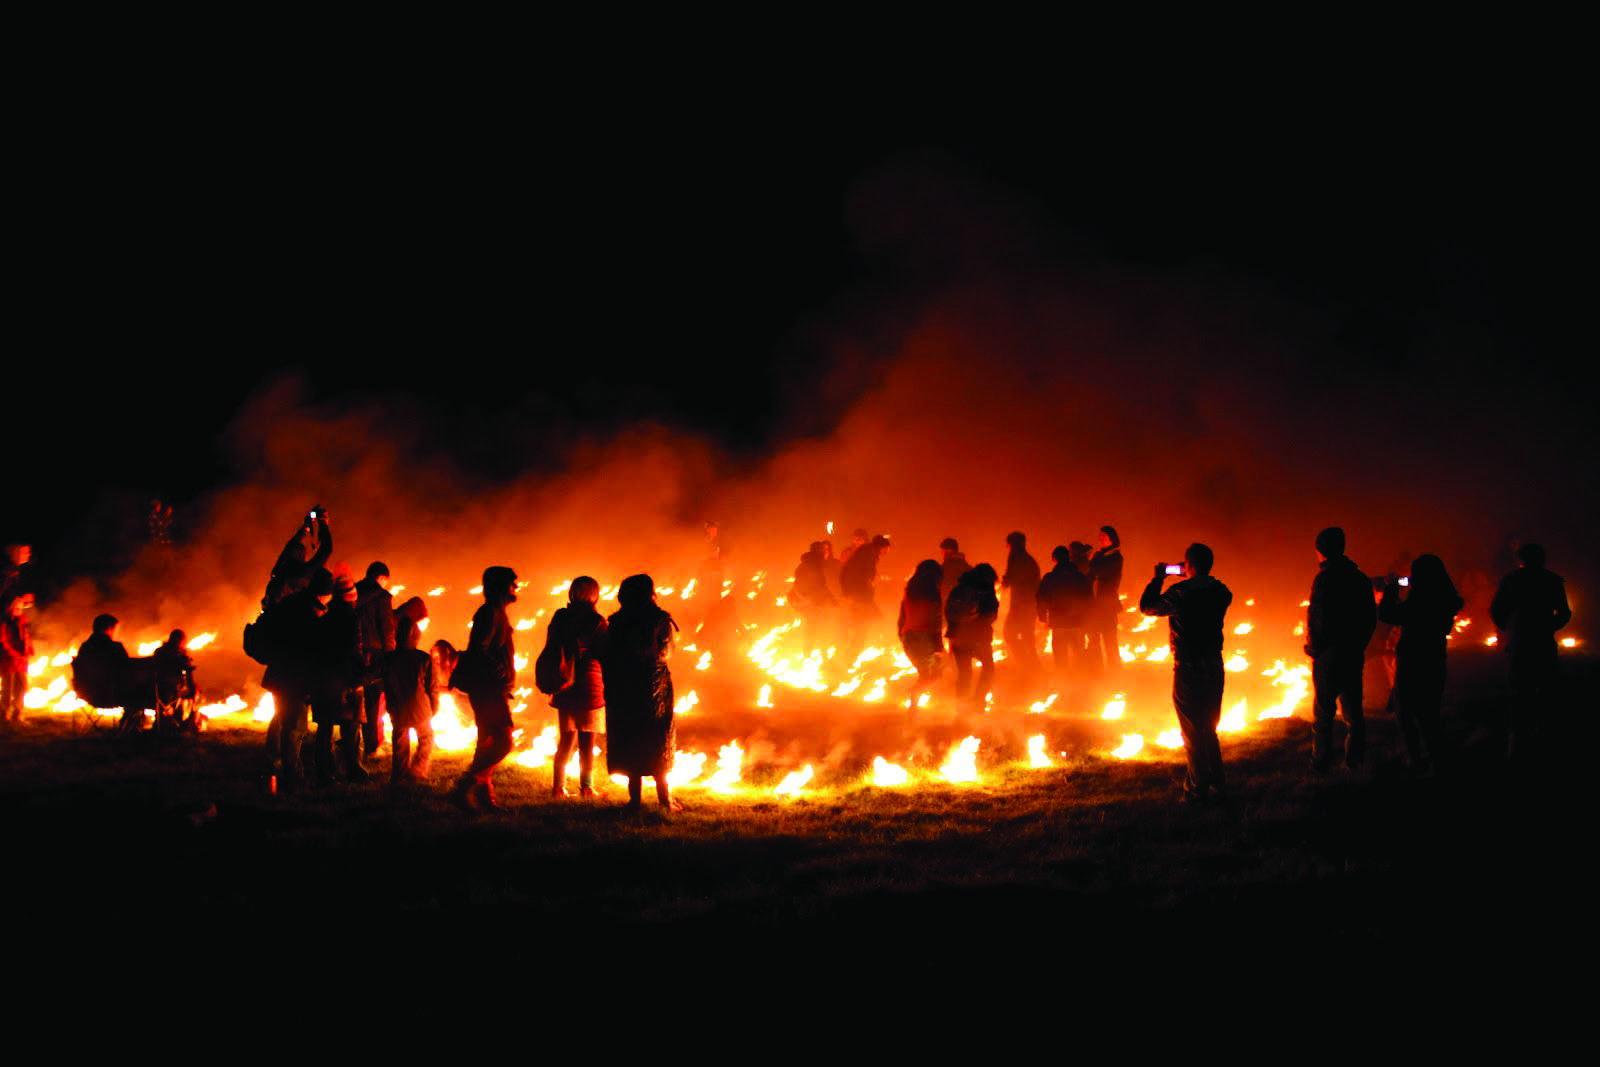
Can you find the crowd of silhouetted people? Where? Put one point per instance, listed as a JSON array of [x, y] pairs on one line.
[[339, 653]]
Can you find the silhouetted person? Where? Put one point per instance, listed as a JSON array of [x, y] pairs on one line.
[[858, 537], [1105, 579], [954, 562], [1065, 597], [15, 576], [16, 648], [1377, 670], [487, 673], [971, 612], [292, 668], [1195, 609], [410, 692], [921, 625], [576, 633], [105, 676], [810, 596], [1339, 623], [307, 552], [1425, 616], [375, 611], [1528, 609], [175, 681], [642, 739], [1022, 579], [336, 683], [857, 582]]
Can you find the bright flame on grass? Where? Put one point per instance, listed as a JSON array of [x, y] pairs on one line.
[[1159, 655], [265, 709], [794, 781], [764, 698], [885, 773], [962, 763], [1242, 629], [685, 702], [1297, 683], [452, 732], [727, 776], [1130, 747], [1236, 663], [704, 662], [1037, 756], [1233, 721], [199, 641], [1172, 738], [1039, 707], [1115, 707]]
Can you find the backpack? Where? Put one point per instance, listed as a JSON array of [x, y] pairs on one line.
[[553, 670], [261, 638]]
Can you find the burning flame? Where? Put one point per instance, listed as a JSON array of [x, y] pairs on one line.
[[1130, 747], [962, 763], [888, 774], [794, 781], [1037, 756]]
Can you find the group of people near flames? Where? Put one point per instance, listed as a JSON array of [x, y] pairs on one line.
[[338, 652], [949, 608]]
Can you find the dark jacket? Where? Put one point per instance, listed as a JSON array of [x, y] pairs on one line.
[[100, 670], [295, 566], [1342, 614], [581, 631], [1064, 598], [953, 568], [859, 572], [375, 609], [1195, 609], [493, 645], [1528, 609], [970, 613], [1105, 574], [1022, 578]]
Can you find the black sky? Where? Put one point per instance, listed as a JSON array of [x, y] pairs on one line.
[[574, 247]]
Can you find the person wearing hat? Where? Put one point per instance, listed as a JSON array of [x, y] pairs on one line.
[[487, 673]]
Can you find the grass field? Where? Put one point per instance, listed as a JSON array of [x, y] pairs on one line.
[[1093, 858]]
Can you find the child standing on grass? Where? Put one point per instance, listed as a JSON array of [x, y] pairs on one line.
[[410, 695]]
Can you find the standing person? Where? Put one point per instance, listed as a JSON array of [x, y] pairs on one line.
[[857, 582], [638, 691], [1064, 599], [375, 610], [573, 639], [1105, 577], [487, 673], [1425, 617], [292, 627], [410, 694], [307, 552], [921, 626], [971, 612], [811, 598], [1528, 609], [1022, 578], [14, 576], [16, 648], [1339, 623], [336, 683], [1195, 609], [955, 564]]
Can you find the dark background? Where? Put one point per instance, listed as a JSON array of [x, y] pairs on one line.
[[505, 255]]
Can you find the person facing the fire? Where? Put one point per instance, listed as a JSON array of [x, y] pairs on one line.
[[954, 563], [1105, 575], [638, 691], [175, 682], [292, 641], [857, 582], [410, 695], [921, 626], [572, 653], [971, 612], [1195, 609], [1064, 600], [810, 596], [105, 676], [487, 673], [375, 609], [1339, 623], [1022, 579], [1425, 617], [1528, 609]]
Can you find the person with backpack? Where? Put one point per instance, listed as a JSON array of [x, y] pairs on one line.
[[487, 673], [569, 671]]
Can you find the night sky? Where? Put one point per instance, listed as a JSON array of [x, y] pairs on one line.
[[515, 261]]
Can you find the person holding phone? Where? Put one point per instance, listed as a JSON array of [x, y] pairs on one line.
[[1195, 609]]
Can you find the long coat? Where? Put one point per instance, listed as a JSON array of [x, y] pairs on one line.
[[640, 737]]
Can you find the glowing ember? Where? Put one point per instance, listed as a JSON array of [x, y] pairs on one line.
[[1131, 745], [1494, 639], [794, 781], [888, 774], [962, 763], [1569, 642], [1037, 756]]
